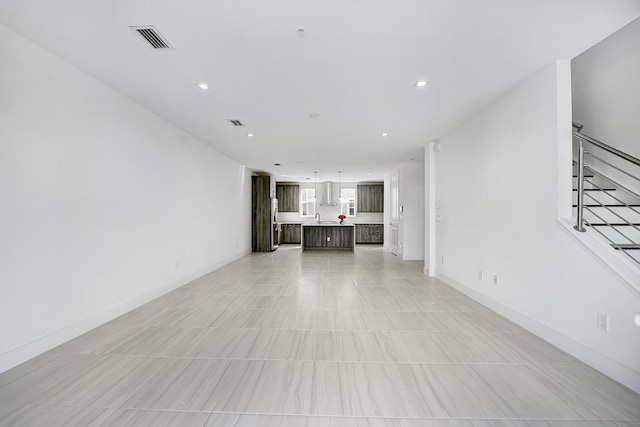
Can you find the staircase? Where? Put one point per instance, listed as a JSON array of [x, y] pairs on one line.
[[606, 194]]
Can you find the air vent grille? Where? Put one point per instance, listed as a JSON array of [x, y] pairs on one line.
[[235, 122], [152, 36]]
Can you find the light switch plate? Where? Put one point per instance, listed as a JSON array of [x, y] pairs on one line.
[[603, 322]]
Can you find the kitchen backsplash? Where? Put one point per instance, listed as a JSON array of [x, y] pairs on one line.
[[330, 213]]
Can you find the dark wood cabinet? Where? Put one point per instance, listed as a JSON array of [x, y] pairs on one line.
[[369, 233], [288, 197], [377, 233], [370, 197], [290, 233], [264, 236], [328, 238], [362, 233], [339, 237], [314, 237]]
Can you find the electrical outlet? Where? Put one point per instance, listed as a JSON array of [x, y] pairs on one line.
[[480, 274], [603, 322], [328, 238], [495, 279]]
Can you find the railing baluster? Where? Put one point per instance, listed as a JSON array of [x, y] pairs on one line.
[[580, 214], [628, 203]]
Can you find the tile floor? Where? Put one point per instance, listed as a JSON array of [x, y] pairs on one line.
[[314, 339]]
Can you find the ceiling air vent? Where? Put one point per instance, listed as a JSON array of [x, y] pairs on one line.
[[235, 122], [152, 36]]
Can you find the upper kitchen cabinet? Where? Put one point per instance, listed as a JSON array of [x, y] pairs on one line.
[[370, 197], [288, 196]]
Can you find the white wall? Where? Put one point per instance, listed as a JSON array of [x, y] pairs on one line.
[[411, 195], [104, 204], [606, 98], [497, 178]]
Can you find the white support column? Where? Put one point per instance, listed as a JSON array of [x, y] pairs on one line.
[[430, 207]]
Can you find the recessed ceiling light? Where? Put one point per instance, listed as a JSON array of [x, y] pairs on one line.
[[369, 174], [277, 164], [412, 158], [314, 115], [298, 163], [203, 86], [422, 83], [384, 134], [250, 135], [301, 31]]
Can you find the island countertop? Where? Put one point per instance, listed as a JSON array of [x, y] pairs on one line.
[[313, 224]]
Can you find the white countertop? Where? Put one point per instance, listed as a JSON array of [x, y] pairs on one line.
[[314, 224]]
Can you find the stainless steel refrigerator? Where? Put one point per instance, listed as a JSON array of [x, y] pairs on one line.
[[275, 227]]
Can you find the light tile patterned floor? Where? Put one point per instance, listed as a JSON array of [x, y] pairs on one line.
[[315, 339]]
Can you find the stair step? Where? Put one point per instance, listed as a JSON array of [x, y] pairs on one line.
[[612, 224], [586, 176], [626, 246], [607, 206], [597, 189]]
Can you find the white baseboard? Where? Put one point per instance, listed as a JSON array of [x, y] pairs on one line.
[[408, 256], [39, 345], [613, 369]]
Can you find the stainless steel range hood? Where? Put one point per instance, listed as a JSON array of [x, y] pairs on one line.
[[327, 194]]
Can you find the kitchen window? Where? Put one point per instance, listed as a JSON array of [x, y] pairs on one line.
[[348, 203], [307, 202]]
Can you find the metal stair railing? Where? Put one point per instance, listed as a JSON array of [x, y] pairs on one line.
[[623, 233]]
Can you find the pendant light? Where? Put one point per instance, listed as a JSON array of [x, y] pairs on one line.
[[315, 185]]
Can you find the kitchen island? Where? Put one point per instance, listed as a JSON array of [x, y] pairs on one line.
[[333, 237]]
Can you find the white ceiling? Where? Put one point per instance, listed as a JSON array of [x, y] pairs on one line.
[[356, 66]]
